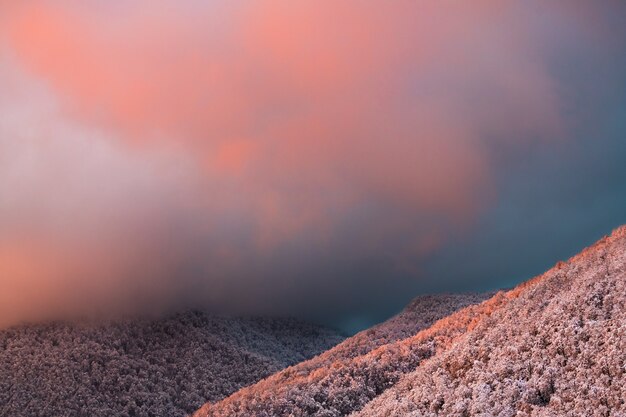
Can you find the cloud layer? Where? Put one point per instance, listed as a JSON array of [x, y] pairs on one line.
[[265, 157]]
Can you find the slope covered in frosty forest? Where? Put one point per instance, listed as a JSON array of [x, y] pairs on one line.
[[353, 372], [554, 345], [145, 368], [558, 348]]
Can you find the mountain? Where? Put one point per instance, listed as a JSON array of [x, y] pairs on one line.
[[420, 314], [552, 346], [344, 377], [556, 348], [165, 367]]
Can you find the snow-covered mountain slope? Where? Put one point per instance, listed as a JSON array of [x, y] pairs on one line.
[[419, 314], [350, 374], [553, 346], [557, 348], [167, 367]]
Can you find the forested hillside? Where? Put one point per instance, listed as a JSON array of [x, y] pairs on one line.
[[351, 374], [145, 368], [553, 346]]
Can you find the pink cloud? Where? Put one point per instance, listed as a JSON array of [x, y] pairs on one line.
[[289, 117]]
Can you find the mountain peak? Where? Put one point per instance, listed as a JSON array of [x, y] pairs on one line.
[[619, 232]]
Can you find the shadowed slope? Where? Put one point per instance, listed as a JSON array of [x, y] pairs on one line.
[[165, 367]]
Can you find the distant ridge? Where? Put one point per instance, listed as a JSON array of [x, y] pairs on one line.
[[552, 346]]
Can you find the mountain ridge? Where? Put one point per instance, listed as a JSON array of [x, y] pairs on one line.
[[539, 366], [365, 385]]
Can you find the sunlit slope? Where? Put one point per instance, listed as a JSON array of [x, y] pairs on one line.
[[554, 345], [558, 349]]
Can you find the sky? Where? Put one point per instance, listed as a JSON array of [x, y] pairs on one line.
[[319, 159]]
